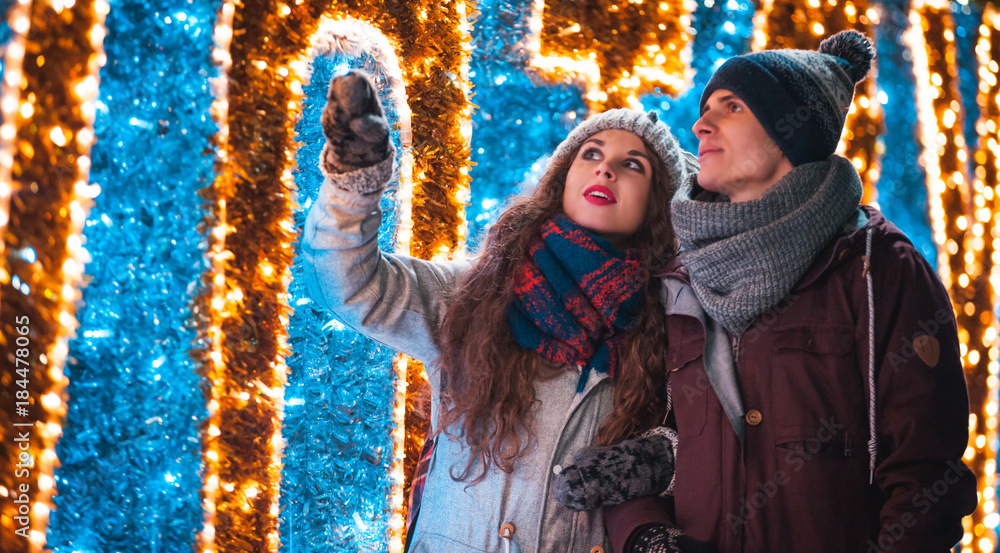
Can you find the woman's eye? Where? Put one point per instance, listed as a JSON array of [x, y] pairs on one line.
[[633, 164], [591, 153]]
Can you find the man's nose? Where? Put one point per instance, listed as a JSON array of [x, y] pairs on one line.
[[701, 126]]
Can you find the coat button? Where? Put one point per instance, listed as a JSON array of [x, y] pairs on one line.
[[556, 469], [597, 549], [753, 417]]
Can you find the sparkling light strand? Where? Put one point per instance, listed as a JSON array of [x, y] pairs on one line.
[[19, 21], [215, 363], [611, 71], [982, 352], [927, 119], [353, 37], [264, 101], [243, 309], [462, 194], [438, 88], [940, 114], [45, 262], [10, 103]]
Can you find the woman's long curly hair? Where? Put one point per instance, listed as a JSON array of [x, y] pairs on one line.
[[487, 377]]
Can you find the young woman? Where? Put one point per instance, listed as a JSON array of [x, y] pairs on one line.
[[817, 384], [551, 339]]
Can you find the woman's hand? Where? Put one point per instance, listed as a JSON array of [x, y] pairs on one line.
[[614, 474], [357, 132]]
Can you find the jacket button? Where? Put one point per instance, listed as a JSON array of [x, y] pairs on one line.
[[597, 549], [557, 469], [753, 417]]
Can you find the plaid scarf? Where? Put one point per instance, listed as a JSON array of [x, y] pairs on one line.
[[575, 298]]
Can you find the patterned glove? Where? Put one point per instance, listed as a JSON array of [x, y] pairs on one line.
[[357, 132], [604, 476], [659, 538]]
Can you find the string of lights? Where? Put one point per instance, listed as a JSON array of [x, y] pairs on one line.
[[214, 367], [18, 20], [433, 44], [244, 301], [353, 37], [982, 243], [244, 309], [931, 41], [616, 49], [53, 131]]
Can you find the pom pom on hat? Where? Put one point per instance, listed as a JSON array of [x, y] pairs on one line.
[[853, 48]]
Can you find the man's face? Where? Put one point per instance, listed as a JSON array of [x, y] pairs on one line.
[[737, 156]]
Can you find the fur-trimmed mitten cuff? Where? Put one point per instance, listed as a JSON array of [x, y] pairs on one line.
[[357, 132], [604, 476]]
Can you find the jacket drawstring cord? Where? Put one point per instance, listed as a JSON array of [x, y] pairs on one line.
[[872, 440], [507, 534]]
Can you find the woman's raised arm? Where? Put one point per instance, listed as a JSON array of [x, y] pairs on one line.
[[394, 299]]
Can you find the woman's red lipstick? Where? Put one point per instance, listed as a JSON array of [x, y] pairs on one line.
[[599, 195]]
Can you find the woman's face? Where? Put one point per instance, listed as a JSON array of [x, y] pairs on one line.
[[608, 184], [737, 156]]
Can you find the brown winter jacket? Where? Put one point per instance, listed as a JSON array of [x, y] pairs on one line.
[[800, 482]]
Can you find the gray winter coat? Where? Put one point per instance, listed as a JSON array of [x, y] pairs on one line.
[[399, 301]]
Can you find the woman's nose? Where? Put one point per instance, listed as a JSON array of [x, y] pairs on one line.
[[604, 170]]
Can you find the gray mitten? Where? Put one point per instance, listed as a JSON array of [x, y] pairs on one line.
[[604, 476], [357, 132]]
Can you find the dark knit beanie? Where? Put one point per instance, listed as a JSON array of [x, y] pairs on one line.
[[800, 97]]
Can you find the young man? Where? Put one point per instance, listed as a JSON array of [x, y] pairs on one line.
[[817, 387]]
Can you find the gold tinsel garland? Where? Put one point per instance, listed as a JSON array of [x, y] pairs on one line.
[[618, 49], [931, 40], [797, 24], [432, 44], [42, 266], [243, 308]]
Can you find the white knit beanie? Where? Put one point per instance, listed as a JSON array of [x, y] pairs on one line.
[[679, 164]]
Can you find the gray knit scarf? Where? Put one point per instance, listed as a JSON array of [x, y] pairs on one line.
[[745, 257]]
